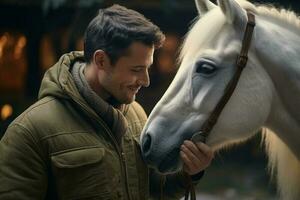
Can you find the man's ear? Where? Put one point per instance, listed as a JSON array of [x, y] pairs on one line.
[[100, 59]]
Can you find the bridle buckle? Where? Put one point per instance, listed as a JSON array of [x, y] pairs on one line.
[[242, 61]]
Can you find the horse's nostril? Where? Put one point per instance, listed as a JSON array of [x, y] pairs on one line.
[[146, 144]]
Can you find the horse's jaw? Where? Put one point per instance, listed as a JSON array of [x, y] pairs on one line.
[[281, 65]]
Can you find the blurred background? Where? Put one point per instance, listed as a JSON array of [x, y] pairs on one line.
[[35, 33]]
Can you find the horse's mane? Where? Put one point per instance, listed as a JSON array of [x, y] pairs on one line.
[[270, 11], [286, 18], [283, 165]]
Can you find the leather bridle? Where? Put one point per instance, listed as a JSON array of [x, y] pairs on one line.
[[240, 65], [212, 119]]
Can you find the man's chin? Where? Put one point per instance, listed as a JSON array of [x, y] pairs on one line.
[[129, 100]]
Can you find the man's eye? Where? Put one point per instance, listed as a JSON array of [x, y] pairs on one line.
[[135, 70], [205, 68]]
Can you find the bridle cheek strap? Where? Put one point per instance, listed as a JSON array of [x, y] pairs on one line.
[[240, 65], [212, 119]]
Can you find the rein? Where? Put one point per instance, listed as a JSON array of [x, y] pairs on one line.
[[212, 120]]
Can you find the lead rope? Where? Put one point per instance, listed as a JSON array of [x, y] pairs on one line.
[[162, 183], [190, 189]]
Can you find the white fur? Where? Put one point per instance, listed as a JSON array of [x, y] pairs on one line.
[[261, 99]]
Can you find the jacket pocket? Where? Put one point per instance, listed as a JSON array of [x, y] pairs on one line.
[[80, 174]]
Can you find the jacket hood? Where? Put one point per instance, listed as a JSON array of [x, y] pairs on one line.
[[58, 81]]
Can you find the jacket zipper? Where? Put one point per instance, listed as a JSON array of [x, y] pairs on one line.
[[109, 133]]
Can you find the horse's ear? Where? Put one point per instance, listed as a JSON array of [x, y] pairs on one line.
[[234, 13], [203, 6]]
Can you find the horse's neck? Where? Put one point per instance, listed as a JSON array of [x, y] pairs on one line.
[[278, 50]]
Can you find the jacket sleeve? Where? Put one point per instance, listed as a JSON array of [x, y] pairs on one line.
[[22, 169], [171, 186]]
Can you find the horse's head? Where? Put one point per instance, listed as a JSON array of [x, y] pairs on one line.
[[208, 62]]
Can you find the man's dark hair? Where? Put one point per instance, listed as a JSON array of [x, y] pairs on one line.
[[115, 28]]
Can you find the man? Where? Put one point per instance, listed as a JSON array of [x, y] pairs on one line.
[[80, 140]]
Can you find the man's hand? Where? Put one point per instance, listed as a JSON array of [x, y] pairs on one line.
[[195, 156]]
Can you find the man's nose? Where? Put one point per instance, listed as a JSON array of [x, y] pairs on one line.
[[144, 79]]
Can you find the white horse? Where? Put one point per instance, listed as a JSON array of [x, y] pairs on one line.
[[267, 95]]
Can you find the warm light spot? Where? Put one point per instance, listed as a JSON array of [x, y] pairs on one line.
[[79, 44], [22, 41], [3, 41], [19, 47], [47, 52], [6, 111], [13, 62], [4, 38], [167, 55], [171, 43], [166, 63]]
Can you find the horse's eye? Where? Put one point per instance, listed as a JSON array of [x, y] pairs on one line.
[[205, 68]]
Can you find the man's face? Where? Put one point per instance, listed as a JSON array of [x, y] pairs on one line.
[[124, 79]]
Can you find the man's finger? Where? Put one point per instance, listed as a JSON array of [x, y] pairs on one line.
[[191, 146], [186, 161], [192, 157], [205, 149]]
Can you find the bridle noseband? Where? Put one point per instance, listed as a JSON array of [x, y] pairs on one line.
[[240, 64]]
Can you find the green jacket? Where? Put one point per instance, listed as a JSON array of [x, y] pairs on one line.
[[59, 148]]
